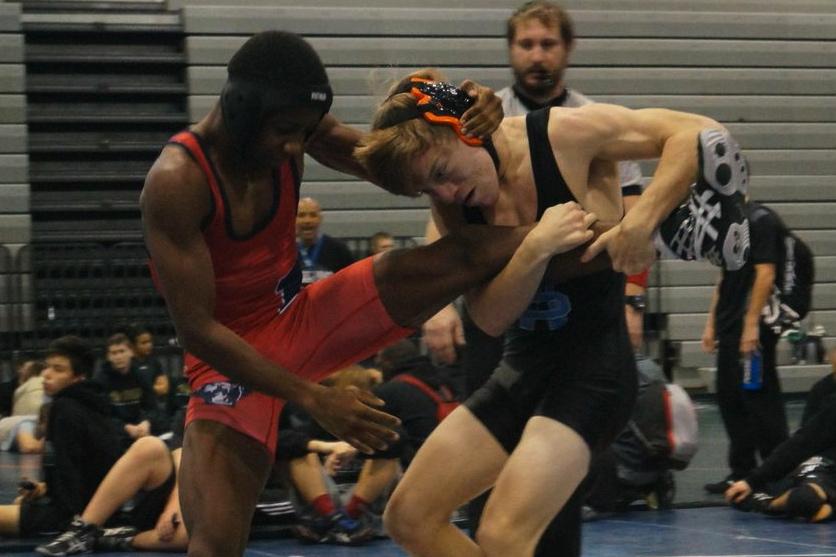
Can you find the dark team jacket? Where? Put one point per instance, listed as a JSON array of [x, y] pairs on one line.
[[131, 398], [148, 369], [82, 445]]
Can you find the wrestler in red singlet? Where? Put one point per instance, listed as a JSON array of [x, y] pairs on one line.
[[311, 331]]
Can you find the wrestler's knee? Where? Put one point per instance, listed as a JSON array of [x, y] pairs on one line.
[[148, 449], [499, 534], [407, 519]]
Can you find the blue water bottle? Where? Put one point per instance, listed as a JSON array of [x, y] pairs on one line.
[[753, 371]]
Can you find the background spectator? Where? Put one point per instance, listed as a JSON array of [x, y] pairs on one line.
[[380, 242], [779, 272], [147, 473], [18, 431], [321, 254], [132, 400], [146, 364], [82, 444]]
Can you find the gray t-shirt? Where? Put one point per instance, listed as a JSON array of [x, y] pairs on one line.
[[630, 173]]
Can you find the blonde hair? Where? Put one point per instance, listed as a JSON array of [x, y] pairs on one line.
[[399, 135]]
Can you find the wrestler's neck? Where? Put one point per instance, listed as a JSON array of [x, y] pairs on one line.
[[511, 143]]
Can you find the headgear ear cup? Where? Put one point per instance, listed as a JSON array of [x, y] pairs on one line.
[[242, 108]]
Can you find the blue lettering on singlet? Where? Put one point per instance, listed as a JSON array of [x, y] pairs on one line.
[[548, 310]]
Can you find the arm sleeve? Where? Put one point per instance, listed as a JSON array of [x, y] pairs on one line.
[[151, 412], [814, 437], [66, 483]]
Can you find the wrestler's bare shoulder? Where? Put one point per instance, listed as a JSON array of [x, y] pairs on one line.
[[175, 178]]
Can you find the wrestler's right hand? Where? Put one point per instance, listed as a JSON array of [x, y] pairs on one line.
[[561, 228], [347, 413], [443, 333]]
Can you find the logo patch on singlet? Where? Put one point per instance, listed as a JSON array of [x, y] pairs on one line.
[[548, 310], [222, 393]]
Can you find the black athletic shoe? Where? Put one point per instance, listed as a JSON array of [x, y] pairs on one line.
[[116, 539], [719, 488], [79, 538], [348, 531], [712, 225], [336, 528]]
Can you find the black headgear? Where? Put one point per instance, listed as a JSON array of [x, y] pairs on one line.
[[271, 71], [803, 502]]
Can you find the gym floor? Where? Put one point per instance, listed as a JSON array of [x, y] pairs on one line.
[[710, 530]]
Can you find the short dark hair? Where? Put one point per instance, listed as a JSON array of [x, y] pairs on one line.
[[547, 13], [76, 351], [118, 338], [279, 58], [134, 330]]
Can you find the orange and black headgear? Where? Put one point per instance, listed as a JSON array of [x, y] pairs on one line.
[[438, 103], [442, 103], [273, 70]]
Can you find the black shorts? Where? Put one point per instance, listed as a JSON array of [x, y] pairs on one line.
[[42, 516], [149, 505], [583, 375]]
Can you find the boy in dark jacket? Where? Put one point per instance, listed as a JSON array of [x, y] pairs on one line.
[[82, 443], [132, 399]]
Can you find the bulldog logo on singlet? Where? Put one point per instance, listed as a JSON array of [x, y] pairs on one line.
[[549, 310], [222, 393]]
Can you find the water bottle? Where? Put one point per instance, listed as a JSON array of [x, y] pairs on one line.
[[753, 371]]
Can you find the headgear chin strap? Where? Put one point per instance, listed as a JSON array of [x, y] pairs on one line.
[[246, 102], [443, 103]]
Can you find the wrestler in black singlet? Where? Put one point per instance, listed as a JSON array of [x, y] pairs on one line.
[[569, 356]]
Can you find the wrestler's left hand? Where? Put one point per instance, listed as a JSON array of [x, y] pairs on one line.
[[347, 413], [630, 248], [484, 117]]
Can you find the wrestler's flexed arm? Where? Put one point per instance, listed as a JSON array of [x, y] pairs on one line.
[[615, 133], [174, 202]]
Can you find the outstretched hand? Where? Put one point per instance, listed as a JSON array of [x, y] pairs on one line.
[[484, 117], [630, 249], [347, 413]]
